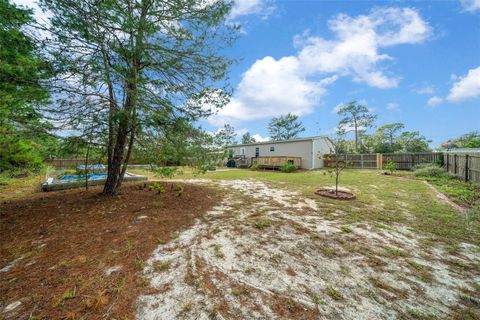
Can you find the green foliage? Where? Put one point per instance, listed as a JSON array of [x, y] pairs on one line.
[[390, 166], [22, 92], [19, 154], [468, 140], [285, 127], [389, 139], [355, 116], [180, 189], [254, 166], [288, 167], [158, 78], [429, 170], [247, 138], [157, 186]]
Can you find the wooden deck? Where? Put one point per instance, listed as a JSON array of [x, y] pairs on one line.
[[277, 162]]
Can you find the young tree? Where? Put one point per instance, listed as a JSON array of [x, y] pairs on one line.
[[140, 65], [285, 127], [247, 138], [355, 117], [338, 157]]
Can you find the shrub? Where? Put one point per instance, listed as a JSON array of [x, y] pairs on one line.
[[19, 156], [156, 186], [431, 171], [180, 189], [288, 167], [391, 166]]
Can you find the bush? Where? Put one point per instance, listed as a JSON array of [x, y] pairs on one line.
[[288, 167], [390, 166], [430, 170], [19, 156]]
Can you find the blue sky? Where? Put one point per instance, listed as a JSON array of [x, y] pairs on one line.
[[415, 62], [412, 62]]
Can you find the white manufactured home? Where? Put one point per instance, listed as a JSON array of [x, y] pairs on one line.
[[310, 150]]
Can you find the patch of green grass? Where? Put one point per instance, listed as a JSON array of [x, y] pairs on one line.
[[139, 263], [316, 298], [162, 266], [217, 249], [395, 252], [334, 293], [421, 315], [423, 272], [458, 191], [261, 223], [346, 229]]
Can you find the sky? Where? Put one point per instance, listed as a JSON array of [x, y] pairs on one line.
[[415, 62]]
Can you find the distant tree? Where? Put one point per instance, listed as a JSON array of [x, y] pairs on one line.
[[285, 127], [385, 138], [355, 117], [390, 138], [247, 138], [468, 140], [226, 136], [413, 141]]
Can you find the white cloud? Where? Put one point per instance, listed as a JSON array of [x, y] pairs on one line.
[[296, 83], [393, 106], [272, 87], [425, 90], [466, 87], [248, 7], [355, 49], [259, 138], [434, 101], [470, 5]]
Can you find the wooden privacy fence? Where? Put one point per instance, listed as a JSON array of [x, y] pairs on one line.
[[463, 165], [403, 161], [66, 163], [406, 161]]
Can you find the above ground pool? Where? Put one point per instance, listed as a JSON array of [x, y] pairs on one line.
[[78, 180], [81, 177]]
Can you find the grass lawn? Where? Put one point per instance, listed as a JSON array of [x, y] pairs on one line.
[[381, 199], [240, 242]]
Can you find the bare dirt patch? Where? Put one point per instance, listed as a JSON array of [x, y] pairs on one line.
[[77, 255], [260, 255]]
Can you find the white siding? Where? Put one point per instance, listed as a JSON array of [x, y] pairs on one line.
[[311, 151]]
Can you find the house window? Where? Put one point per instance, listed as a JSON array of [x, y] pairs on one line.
[[257, 152], [272, 149], [242, 151]]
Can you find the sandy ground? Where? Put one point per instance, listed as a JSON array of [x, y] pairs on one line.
[[268, 253]]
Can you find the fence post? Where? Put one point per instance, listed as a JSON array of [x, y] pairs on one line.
[[361, 160], [379, 161], [466, 168], [455, 164], [448, 164]]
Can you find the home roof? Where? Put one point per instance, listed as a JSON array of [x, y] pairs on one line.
[[275, 142]]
